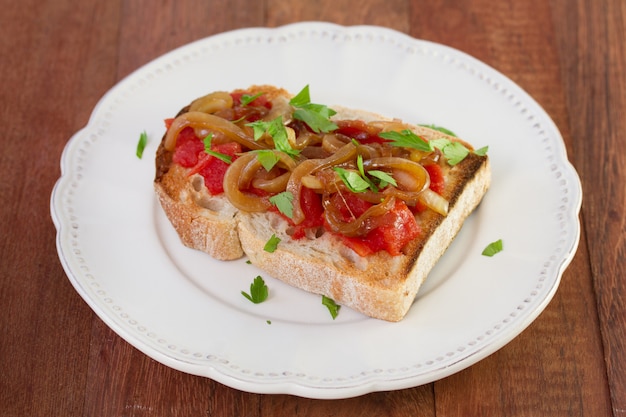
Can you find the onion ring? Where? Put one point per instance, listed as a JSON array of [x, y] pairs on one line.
[[310, 166], [200, 120], [360, 226]]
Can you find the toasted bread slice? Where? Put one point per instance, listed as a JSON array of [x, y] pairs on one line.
[[379, 285]]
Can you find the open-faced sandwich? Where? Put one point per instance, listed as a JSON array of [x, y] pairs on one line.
[[339, 202]]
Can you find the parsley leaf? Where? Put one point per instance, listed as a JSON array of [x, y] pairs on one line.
[[352, 179], [276, 129], [454, 152], [482, 151], [283, 202], [333, 308], [493, 248], [359, 164], [407, 139], [271, 244], [267, 158], [258, 291], [247, 98], [316, 116], [207, 148], [358, 182], [383, 177], [141, 145], [302, 98]]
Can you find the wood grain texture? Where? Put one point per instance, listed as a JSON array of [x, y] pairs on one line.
[[593, 66], [59, 57]]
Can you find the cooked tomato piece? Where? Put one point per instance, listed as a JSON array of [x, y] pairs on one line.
[[349, 205], [251, 112], [359, 130], [437, 180], [311, 204], [398, 226], [188, 148], [260, 101], [213, 169]]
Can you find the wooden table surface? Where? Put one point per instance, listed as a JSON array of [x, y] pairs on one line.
[[58, 57]]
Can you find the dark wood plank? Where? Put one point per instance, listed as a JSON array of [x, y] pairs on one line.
[[389, 13], [124, 381], [404, 403], [555, 365], [45, 325], [551, 372], [594, 62], [166, 24]]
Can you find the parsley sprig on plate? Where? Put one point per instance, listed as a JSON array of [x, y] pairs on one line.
[[258, 291]]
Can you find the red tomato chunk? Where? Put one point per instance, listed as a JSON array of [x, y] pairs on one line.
[[359, 130], [311, 204], [437, 180], [188, 148], [190, 153], [398, 226], [213, 169]]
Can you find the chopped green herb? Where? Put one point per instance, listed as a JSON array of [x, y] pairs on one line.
[[407, 139], [247, 98], [268, 321], [267, 158], [333, 308], [359, 164], [317, 121], [207, 149], [358, 182], [316, 116], [276, 129], [352, 179], [141, 145], [271, 244], [440, 129], [482, 151], [283, 202], [493, 248], [302, 98], [384, 178], [454, 152], [258, 291]]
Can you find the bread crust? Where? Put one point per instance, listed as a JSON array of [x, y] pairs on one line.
[[379, 285], [204, 222]]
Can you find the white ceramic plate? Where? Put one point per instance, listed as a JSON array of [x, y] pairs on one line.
[[185, 309]]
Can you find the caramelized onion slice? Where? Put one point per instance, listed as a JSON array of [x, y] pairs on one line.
[[417, 178], [360, 226], [434, 201], [243, 201], [310, 166], [213, 102], [251, 173], [200, 120]]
